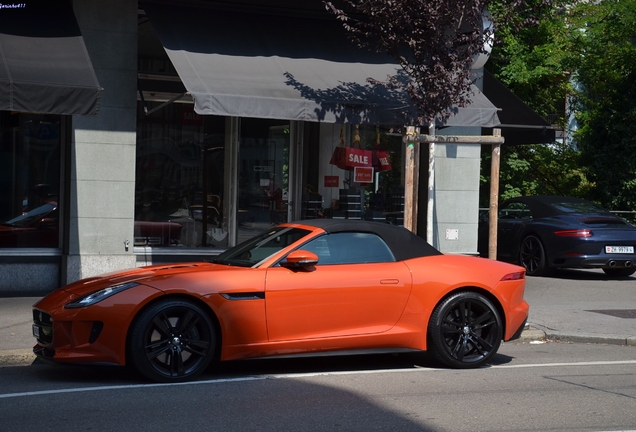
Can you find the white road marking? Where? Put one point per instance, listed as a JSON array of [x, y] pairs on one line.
[[304, 375]]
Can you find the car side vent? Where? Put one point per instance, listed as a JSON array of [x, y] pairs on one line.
[[603, 221], [244, 296]]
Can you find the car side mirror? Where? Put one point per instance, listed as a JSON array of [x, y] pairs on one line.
[[300, 259]]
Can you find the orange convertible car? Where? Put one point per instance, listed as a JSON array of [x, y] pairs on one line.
[[314, 286]]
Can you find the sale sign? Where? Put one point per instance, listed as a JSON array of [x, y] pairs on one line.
[[331, 181], [363, 174]]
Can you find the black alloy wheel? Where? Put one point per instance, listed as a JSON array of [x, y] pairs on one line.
[[532, 257], [172, 341], [465, 330]]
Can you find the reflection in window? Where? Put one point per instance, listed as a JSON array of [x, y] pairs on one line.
[[251, 252], [29, 180], [515, 210], [350, 248], [179, 178]]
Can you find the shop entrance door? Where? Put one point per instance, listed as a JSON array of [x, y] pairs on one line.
[[264, 177]]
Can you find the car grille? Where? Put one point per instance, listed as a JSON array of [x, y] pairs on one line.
[[45, 323]]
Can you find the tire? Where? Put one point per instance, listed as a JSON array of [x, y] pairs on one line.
[[619, 272], [464, 331], [532, 257], [172, 341]]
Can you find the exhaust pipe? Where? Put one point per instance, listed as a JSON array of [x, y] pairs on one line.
[[612, 263], [628, 264]]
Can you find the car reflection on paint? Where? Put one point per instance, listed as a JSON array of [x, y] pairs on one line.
[[308, 287]]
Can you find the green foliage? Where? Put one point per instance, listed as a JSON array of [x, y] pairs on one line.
[[582, 52], [535, 170], [434, 42], [606, 103], [532, 61]]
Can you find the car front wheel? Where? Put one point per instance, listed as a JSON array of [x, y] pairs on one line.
[[532, 257], [172, 341], [465, 330]]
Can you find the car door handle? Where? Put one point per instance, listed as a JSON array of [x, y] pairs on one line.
[[389, 281]]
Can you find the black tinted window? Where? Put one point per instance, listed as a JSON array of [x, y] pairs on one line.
[[515, 210], [350, 248]]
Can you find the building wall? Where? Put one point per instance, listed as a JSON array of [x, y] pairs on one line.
[[456, 207], [102, 160]]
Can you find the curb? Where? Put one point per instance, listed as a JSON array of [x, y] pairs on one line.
[[591, 338], [18, 357]]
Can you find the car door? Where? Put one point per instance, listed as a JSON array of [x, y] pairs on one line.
[[356, 288], [513, 217]]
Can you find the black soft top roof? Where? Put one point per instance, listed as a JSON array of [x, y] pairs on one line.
[[403, 243], [546, 206]]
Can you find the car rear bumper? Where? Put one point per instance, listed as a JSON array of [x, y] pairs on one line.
[[599, 261]]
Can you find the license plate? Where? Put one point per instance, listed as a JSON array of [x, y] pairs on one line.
[[619, 249], [36, 331]]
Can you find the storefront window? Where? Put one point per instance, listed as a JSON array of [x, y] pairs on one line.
[[179, 178], [263, 174], [29, 180], [358, 175]]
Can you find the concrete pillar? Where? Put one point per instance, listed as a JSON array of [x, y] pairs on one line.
[[101, 188]]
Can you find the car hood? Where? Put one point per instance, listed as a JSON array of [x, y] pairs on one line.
[[154, 276]]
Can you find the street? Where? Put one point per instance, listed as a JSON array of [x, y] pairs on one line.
[[531, 387]]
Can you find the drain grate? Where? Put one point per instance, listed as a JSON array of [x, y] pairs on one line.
[[618, 313]]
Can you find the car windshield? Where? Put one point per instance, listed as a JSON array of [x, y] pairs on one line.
[[579, 207], [254, 251], [27, 218]]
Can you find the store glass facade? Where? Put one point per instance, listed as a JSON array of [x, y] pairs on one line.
[[283, 171], [179, 178], [30, 161]]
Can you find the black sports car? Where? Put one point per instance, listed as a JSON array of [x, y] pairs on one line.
[[543, 233]]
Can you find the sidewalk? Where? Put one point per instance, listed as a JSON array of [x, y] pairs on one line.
[[578, 306]]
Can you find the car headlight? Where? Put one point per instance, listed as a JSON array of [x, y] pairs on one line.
[[100, 295]]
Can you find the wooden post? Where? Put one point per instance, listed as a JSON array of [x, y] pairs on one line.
[[494, 197], [410, 180], [412, 138]]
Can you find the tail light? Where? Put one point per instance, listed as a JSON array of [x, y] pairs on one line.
[[584, 233], [514, 276]]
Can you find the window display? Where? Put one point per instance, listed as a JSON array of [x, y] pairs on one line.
[[29, 180]]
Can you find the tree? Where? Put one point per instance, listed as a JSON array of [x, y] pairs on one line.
[[582, 52], [434, 41], [605, 72]]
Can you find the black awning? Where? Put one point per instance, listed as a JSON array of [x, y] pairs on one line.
[[280, 66], [520, 124], [44, 65]]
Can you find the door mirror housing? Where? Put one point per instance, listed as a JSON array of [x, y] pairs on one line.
[[300, 259]]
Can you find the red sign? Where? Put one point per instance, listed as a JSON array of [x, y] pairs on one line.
[[363, 174], [189, 117], [332, 181]]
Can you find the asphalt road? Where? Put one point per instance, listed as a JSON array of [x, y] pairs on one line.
[[531, 387]]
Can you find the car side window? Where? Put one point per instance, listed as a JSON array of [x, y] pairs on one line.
[[515, 210], [349, 248]]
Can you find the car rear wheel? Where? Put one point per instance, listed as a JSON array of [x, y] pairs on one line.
[[532, 257], [465, 331], [619, 272], [172, 341]]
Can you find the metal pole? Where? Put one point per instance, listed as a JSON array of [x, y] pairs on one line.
[[430, 207]]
